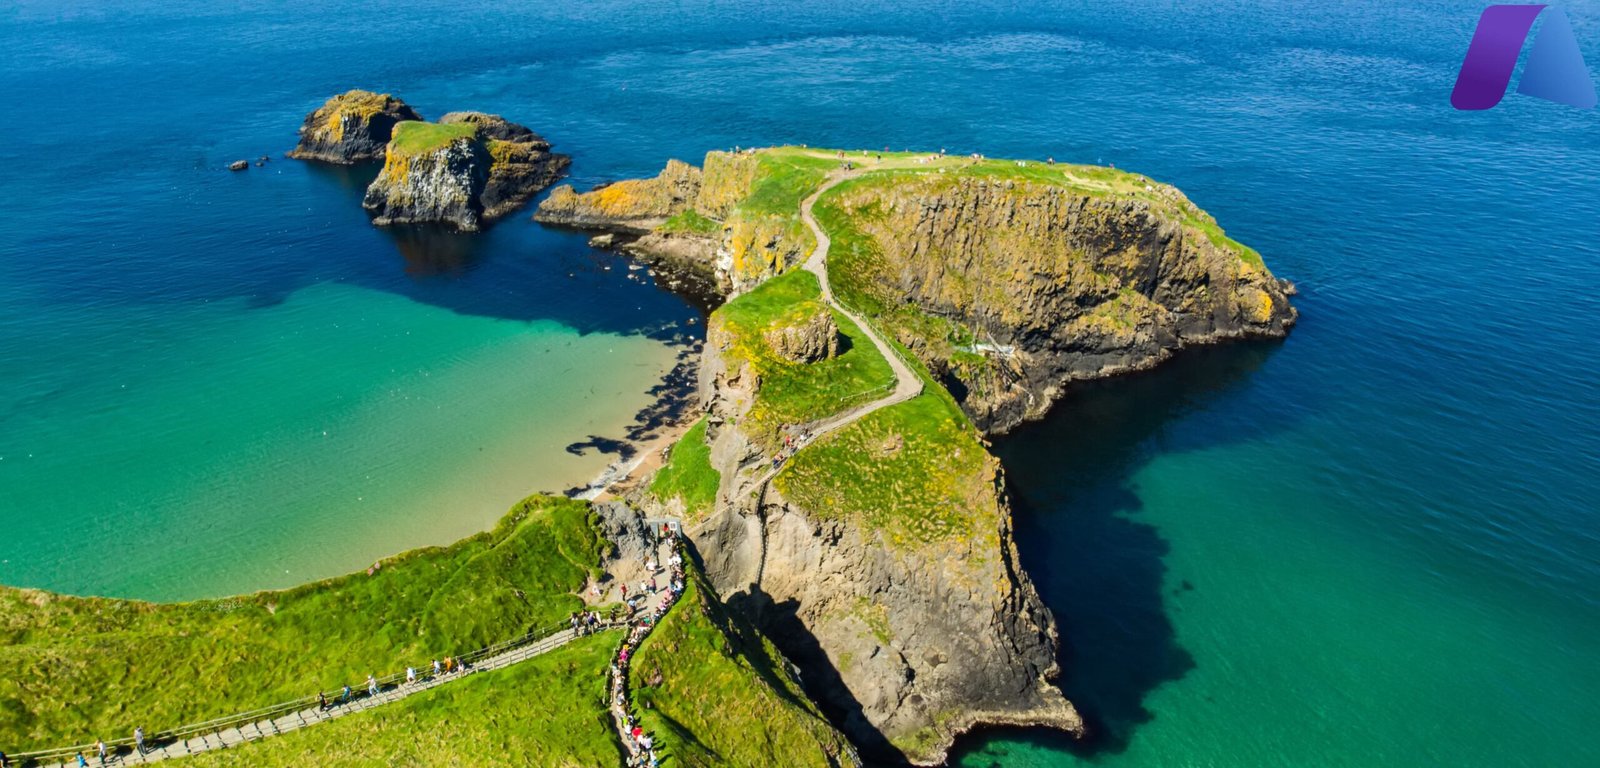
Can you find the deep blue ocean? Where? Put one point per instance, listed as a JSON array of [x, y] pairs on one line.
[[1372, 544]]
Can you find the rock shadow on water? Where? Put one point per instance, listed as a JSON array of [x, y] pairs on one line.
[[514, 269], [434, 251], [1101, 570]]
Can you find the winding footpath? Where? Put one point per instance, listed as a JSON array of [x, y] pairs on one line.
[[669, 554], [907, 384]]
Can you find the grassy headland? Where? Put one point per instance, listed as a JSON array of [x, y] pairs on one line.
[[81, 668]]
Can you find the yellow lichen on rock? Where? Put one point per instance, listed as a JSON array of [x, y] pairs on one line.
[[351, 127], [725, 182]]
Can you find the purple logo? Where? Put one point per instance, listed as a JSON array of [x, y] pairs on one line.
[[1555, 70]]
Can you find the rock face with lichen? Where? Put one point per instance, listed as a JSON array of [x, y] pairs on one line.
[[816, 338], [1012, 290], [351, 127], [634, 206], [890, 577], [467, 169], [691, 219], [521, 163]]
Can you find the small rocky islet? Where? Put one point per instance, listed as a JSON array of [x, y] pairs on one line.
[[465, 170]]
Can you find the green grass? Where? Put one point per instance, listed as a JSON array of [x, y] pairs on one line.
[[915, 471], [78, 668], [790, 392], [547, 711], [413, 137], [690, 221], [688, 475], [715, 692], [782, 181]]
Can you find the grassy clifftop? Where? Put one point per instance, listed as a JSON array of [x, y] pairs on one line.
[[414, 137], [688, 476], [85, 667], [790, 392]]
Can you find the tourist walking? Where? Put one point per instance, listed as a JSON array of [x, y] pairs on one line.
[[322, 701], [372, 685], [436, 667], [411, 675], [100, 749], [82, 762], [138, 739], [5, 762]]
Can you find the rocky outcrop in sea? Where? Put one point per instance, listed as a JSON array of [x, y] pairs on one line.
[[351, 127], [465, 170]]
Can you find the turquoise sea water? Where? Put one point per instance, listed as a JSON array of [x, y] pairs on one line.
[[1372, 544]]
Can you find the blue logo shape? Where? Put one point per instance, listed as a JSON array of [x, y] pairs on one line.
[[1555, 72]]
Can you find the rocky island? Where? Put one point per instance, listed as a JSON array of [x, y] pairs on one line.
[[467, 169], [850, 589], [352, 127]]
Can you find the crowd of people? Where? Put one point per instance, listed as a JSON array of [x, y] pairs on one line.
[[642, 747], [585, 622], [794, 438]]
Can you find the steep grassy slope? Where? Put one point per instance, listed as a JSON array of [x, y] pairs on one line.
[[688, 476], [717, 693], [547, 711], [82, 667], [789, 392]]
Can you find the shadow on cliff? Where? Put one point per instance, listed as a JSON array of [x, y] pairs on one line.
[[1100, 569], [821, 681], [750, 619]]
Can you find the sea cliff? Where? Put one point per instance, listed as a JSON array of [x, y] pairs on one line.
[[351, 127], [879, 557], [1009, 279]]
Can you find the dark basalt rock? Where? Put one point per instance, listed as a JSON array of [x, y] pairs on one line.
[[464, 170], [351, 127]]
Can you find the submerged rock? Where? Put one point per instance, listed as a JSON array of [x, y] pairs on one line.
[[352, 127], [238, 165], [462, 171]]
